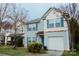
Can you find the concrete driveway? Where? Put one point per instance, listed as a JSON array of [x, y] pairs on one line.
[[49, 53], [55, 53]]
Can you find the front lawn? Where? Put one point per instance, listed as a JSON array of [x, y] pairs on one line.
[[70, 53], [20, 51]]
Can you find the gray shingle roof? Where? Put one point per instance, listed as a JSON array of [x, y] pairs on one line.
[[34, 21]]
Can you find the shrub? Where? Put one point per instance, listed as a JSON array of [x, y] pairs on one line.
[[34, 47], [77, 47]]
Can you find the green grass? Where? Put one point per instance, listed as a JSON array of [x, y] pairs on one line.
[[19, 51], [13, 52], [70, 53]]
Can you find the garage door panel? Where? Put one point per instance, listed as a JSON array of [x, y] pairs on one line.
[[55, 34], [55, 43]]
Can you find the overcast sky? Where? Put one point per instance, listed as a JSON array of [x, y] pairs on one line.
[[36, 10]]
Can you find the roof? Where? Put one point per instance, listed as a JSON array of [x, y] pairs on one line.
[[48, 11], [22, 21], [13, 35], [44, 16], [34, 21]]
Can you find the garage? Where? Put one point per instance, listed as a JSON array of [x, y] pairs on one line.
[[56, 41]]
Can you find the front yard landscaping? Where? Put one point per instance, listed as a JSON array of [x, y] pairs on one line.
[[19, 51], [70, 53]]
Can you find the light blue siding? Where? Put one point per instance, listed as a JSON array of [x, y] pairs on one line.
[[47, 26]]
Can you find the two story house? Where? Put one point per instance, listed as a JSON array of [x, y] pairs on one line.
[[51, 30]]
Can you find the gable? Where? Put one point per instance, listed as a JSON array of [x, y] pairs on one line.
[[18, 23], [53, 15]]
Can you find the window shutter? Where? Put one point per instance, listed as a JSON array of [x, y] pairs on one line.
[[36, 26], [27, 27], [62, 22], [47, 23]]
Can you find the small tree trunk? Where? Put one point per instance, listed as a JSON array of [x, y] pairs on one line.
[[69, 32], [71, 42], [15, 37]]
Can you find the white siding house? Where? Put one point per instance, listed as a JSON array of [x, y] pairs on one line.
[[52, 31]]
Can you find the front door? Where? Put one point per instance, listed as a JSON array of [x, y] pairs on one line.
[[42, 39]]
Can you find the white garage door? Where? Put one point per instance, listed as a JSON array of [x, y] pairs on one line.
[[56, 43]]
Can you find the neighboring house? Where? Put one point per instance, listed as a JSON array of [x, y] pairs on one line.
[[1, 35], [8, 31], [20, 27], [51, 30], [5, 30], [20, 30]]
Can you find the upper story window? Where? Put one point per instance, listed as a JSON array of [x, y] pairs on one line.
[[50, 23], [32, 27], [58, 22]]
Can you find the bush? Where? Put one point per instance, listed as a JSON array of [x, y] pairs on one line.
[[77, 47], [34, 47]]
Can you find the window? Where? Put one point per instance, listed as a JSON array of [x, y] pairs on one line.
[[32, 27], [22, 29], [28, 39], [27, 27], [50, 23], [34, 38], [57, 22]]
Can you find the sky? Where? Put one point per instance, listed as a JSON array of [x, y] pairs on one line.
[[36, 10]]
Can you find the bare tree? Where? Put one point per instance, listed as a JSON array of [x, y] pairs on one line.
[[4, 7], [71, 12], [17, 14], [3, 10]]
